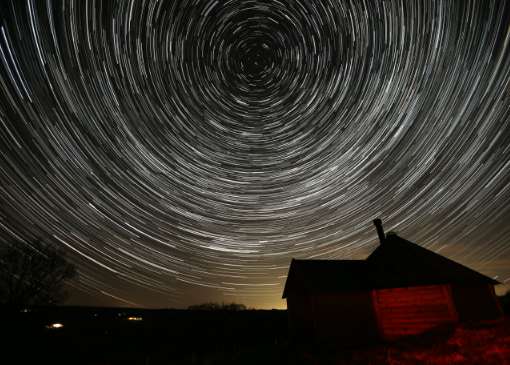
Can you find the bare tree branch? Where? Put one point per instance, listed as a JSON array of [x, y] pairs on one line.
[[33, 274]]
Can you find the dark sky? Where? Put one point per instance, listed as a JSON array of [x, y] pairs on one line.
[[185, 151]]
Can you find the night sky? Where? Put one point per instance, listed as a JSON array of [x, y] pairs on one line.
[[184, 151]]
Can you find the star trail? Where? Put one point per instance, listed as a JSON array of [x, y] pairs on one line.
[[184, 151]]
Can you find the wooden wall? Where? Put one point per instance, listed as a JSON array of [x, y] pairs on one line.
[[414, 310], [346, 318], [364, 317], [476, 303], [299, 311]]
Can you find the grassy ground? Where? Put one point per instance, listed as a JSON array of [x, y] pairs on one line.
[[469, 344], [109, 337]]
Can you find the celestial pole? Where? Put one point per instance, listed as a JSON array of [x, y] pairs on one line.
[[184, 151]]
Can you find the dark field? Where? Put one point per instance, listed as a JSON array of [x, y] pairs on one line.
[[126, 336]]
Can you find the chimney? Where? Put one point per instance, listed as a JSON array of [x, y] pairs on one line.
[[380, 230]]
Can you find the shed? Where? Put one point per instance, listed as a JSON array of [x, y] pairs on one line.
[[400, 289]]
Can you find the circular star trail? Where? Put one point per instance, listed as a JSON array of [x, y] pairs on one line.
[[185, 151]]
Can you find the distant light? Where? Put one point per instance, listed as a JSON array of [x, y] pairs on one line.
[[55, 326], [25, 310], [134, 318]]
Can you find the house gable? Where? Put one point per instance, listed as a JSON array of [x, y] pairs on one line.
[[401, 263]]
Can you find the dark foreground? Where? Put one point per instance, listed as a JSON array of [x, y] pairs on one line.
[[123, 336]]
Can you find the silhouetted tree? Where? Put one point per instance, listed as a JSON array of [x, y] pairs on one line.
[[211, 306], [234, 307], [33, 274]]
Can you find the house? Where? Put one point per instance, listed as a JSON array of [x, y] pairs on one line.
[[400, 289]]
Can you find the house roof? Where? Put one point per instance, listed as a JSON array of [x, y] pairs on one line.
[[399, 262], [326, 275], [395, 263]]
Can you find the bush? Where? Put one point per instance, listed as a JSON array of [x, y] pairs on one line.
[[211, 306]]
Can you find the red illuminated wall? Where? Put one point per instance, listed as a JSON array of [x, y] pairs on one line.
[[410, 311]]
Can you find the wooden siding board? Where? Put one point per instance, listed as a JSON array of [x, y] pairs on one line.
[[476, 303], [406, 311], [346, 317], [300, 316]]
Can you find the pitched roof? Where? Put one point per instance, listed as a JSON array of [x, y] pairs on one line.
[[399, 262], [326, 275], [395, 263]]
